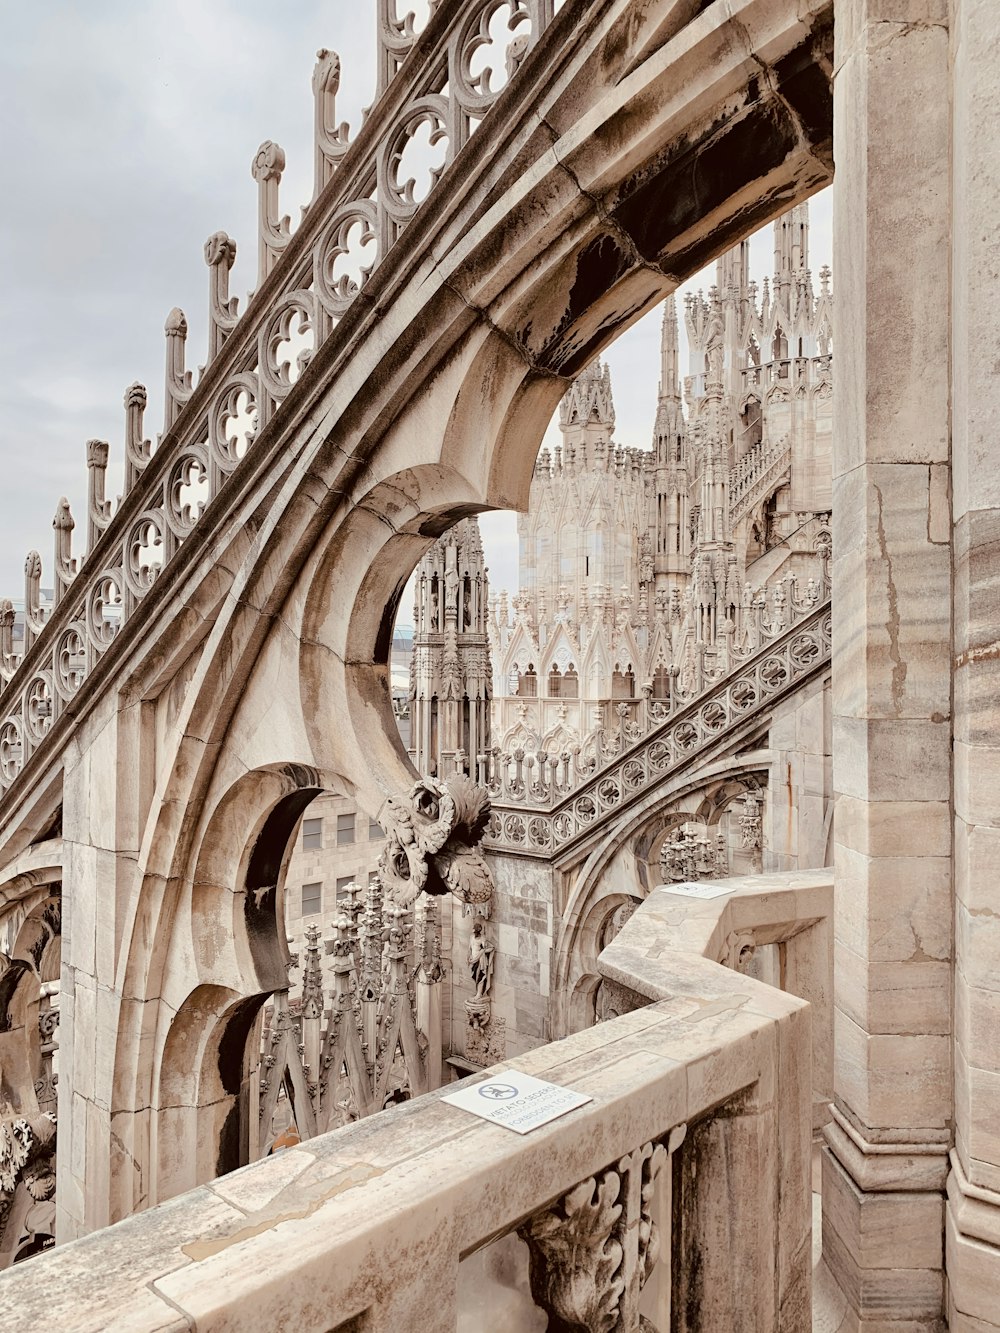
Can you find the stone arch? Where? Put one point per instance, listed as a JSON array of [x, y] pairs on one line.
[[228, 939], [32, 973], [583, 980], [203, 1127], [587, 871], [485, 342]]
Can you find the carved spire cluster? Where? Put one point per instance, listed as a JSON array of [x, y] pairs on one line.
[[373, 1031]]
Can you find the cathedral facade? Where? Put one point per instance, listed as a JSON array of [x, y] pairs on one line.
[[637, 566]]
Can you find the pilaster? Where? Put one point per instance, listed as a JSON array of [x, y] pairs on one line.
[[973, 1223], [886, 1159]]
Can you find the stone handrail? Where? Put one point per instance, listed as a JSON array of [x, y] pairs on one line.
[[390, 1224], [756, 475], [788, 371], [437, 81], [541, 814]]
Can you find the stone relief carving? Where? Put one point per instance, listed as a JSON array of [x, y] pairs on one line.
[[28, 1164], [481, 954], [739, 950], [486, 1045], [587, 1268]]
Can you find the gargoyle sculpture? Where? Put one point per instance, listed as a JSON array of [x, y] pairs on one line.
[[432, 837]]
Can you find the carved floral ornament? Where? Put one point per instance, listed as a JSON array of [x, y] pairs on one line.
[[592, 1251], [27, 1154]]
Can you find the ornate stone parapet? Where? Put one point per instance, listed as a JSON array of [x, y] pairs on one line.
[[703, 1047]]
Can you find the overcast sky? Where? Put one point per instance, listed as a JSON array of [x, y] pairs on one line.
[[131, 128]]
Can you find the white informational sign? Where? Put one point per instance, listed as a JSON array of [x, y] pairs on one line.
[[708, 890], [517, 1101]]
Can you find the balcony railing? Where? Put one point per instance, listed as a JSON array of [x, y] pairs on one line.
[[678, 1194]]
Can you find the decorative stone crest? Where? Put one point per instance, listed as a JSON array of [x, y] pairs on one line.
[[432, 841]]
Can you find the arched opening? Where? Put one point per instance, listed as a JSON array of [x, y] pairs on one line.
[[623, 683], [527, 683]]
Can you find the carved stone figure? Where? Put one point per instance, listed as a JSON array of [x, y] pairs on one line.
[[481, 954]]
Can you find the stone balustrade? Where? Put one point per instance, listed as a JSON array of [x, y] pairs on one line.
[[425, 1216], [756, 474], [543, 802]]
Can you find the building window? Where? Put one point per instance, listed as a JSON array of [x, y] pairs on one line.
[[661, 683], [623, 685], [527, 684], [345, 830], [312, 899], [312, 834], [342, 888], [564, 686], [375, 833]]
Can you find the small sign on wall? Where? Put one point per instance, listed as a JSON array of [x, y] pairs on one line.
[[689, 890], [517, 1101]]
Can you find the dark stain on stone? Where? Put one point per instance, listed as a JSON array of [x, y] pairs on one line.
[[234, 1137], [804, 79], [704, 176], [9, 983], [598, 267], [53, 829]]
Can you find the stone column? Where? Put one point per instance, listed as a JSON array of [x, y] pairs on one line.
[[973, 1222], [886, 1160]]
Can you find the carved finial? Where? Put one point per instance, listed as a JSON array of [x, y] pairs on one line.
[[98, 508], [178, 380], [220, 248], [65, 565], [176, 325], [268, 162], [273, 232], [312, 976], [330, 139], [7, 663], [97, 453], [220, 255], [137, 448], [33, 619]]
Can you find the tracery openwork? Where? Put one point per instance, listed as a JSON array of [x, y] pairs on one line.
[[366, 192]]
